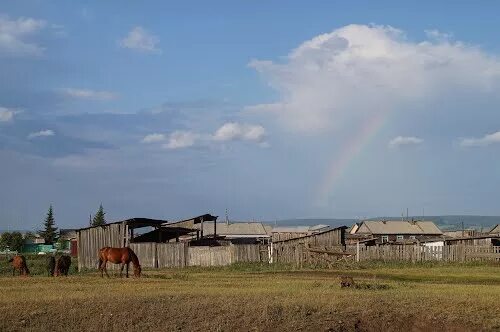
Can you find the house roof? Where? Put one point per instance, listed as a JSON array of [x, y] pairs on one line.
[[235, 229], [495, 229], [299, 229], [399, 227]]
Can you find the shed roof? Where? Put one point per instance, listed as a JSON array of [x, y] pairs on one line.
[[299, 229], [399, 227], [235, 229], [495, 229], [133, 223]]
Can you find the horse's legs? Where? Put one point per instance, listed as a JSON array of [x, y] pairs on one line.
[[105, 268], [127, 268], [122, 265]]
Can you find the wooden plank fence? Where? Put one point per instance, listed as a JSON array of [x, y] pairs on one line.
[[300, 254], [165, 255]]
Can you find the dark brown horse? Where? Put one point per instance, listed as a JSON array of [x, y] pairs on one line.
[[51, 265], [122, 256], [19, 263], [62, 266]]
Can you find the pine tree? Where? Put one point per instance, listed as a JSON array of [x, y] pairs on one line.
[[49, 234], [99, 219]]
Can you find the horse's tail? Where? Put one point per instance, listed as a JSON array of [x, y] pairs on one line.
[[11, 260], [26, 270]]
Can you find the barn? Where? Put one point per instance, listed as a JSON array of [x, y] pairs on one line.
[[159, 243]]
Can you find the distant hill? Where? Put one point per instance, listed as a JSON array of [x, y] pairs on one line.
[[444, 222]]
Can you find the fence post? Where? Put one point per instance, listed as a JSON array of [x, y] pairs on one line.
[[357, 252]]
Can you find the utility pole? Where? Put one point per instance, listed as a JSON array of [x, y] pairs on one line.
[[463, 229]]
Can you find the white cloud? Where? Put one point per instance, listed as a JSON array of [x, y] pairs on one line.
[[483, 141], [360, 70], [7, 114], [140, 39], [154, 138], [404, 140], [235, 131], [89, 94], [41, 133], [15, 36], [181, 139]]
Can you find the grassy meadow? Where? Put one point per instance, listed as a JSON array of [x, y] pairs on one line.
[[389, 297]]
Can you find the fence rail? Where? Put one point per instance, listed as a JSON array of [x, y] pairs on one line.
[[165, 255], [304, 254]]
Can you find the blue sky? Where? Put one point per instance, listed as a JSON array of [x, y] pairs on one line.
[[269, 109]]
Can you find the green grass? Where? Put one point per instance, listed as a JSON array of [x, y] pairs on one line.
[[390, 297]]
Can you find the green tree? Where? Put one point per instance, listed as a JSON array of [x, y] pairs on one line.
[[49, 233], [5, 241], [99, 217], [17, 242], [29, 236]]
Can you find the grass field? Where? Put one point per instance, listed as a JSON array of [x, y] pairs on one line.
[[258, 297]]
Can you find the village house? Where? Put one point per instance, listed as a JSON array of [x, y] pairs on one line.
[[394, 231]]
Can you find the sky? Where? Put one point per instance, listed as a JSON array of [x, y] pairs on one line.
[[267, 109]]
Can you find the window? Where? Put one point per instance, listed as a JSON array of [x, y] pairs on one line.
[[400, 237], [385, 238], [412, 237]]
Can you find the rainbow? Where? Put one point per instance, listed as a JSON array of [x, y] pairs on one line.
[[340, 163]]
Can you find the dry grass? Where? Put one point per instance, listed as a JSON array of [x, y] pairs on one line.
[[415, 298]]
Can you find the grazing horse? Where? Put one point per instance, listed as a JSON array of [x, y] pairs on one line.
[[122, 256], [62, 265], [19, 263], [51, 264]]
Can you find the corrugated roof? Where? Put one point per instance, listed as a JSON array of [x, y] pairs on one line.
[[402, 227], [235, 228]]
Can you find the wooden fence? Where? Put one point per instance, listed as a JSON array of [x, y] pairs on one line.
[[301, 254], [164, 255]]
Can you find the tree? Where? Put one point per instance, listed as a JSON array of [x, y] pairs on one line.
[[5, 241], [16, 242], [99, 219], [49, 234]]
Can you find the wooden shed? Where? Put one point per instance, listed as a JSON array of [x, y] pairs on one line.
[[116, 234], [304, 249]]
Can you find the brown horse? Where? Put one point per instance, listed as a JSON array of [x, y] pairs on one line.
[[19, 263], [62, 266], [122, 256]]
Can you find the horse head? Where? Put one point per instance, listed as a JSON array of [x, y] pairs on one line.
[[137, 271]]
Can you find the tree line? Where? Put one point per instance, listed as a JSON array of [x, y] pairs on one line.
[[14, 241]]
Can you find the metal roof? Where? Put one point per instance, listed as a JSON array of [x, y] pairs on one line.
[[300, 229], [234, 229], [133, 223], [398, 227]]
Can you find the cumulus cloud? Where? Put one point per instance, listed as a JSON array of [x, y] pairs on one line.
[[404, 141], [235, 131], [154, 138], [181, 139], [15, 35], [359, 70], [483, 141], [140, 39], [89, 94], [7, 114], [41, 133]]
